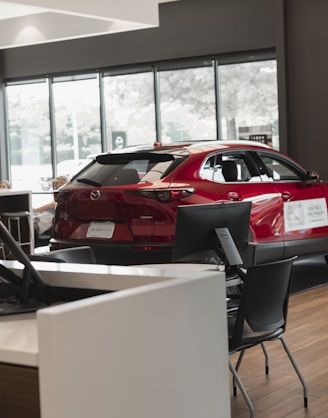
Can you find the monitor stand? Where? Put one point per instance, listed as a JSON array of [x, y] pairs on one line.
[[11, 301], [15, 294], [228, 246]]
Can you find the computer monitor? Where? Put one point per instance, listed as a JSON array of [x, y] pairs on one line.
[[196, 237]]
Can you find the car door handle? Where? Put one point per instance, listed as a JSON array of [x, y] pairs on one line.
[[286, 196], [233, 196]]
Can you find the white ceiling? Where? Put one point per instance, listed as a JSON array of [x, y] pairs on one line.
[[27, 22]]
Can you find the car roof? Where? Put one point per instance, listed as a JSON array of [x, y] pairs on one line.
[[182, 149], [203, 146], [223, 144]]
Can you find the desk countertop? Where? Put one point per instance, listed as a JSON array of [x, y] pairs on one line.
[[19, 333], [19, 340], [108, 277]]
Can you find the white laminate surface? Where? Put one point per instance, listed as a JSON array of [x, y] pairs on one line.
[[158, 350], [194, 268], [19, 340], [106, 277], [153, 351], [18, 333]]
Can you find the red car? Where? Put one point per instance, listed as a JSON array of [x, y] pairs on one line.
[[124, 204]]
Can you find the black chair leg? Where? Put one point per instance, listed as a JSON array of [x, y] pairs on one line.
[[266, 358]]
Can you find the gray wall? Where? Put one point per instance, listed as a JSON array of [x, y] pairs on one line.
[[296, 28], [187, 28], [307, 87]]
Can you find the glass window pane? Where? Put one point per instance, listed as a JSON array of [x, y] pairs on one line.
[[249, 102], [130, 110], [187, 104], [279, 170], [226, 168], [77, 123], [29, 135]]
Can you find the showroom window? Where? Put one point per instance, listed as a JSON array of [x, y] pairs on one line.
[[187, 103], [29, 134], [57, 123], [77, 129], [248, 101], [129, 109]]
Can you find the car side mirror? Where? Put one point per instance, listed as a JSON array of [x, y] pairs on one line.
[[312, 175]]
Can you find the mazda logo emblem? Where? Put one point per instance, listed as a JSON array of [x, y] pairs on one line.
[[95, 195]]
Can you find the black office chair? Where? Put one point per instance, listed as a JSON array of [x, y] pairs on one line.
[[261, 317], [82, 254]]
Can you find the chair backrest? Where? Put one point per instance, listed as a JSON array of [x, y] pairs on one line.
[[83, 254], [264, 299], [229, 170]]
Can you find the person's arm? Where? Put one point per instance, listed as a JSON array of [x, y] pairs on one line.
[[47, 206]]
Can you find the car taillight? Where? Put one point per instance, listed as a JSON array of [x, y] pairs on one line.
[[163, 195]]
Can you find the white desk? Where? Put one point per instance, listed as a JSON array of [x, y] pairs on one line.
[[193, 268], [157, 350], [19, 340], [106, 277]]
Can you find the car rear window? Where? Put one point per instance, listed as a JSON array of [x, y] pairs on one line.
[[131, 168]]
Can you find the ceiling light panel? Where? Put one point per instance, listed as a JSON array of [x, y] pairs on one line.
[[11, 10], [30, 22]]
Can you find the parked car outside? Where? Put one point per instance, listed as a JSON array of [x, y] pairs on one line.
[[124, 204]]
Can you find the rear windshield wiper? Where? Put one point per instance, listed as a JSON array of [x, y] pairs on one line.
[[90, 182]]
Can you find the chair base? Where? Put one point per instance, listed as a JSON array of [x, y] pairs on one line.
[[237, 382]]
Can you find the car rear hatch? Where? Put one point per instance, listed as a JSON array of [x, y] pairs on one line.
[[116, 198]]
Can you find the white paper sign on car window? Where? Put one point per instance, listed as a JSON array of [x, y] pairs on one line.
[[304, 214]]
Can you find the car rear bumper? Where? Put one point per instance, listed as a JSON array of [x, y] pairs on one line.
[[121, 254], [125, 254]]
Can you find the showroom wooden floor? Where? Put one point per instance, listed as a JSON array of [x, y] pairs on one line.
[[280, 394]]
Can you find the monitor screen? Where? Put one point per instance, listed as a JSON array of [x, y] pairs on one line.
[[195, 235]]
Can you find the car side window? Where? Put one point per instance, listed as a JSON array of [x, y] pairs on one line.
[[207, 171], [278, 169], [228, 167]]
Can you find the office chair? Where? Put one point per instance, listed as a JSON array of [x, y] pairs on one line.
[[261, 317], [83, 254]]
